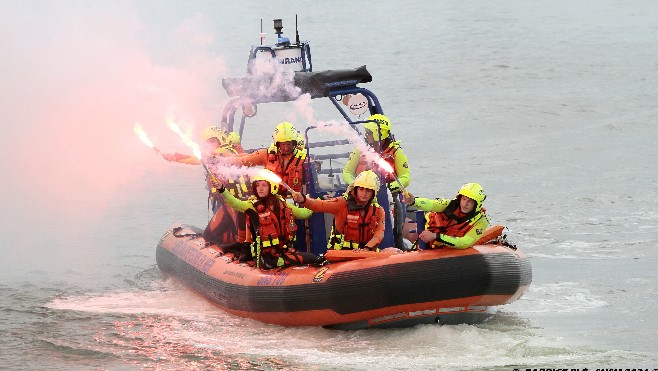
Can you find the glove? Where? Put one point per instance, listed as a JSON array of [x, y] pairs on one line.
[[169, 157], [217, 186], [300, 198], [408, 199], [175, 157], [395, 187]]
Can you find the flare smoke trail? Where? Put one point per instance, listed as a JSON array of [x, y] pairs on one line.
[[233, 172], [342, 129], [339, 129]]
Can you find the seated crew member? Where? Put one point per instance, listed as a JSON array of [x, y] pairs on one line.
[[284, 159], [359, 220], [270, 225], [392, 153], [458, 223]]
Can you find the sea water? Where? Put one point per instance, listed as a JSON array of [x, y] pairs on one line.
[[551, 106]]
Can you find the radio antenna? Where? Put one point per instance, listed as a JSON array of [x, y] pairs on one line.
[[296, 32], [262, 35]]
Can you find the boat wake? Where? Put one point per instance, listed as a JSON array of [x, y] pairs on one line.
[[169, 325]]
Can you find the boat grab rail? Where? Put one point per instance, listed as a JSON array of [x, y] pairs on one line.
[[328, 143], [331, 156]]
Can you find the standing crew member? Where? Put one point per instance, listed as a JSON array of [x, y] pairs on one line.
[[392, 153], [214, 142], [458, 223], [284, 158], [359, 220]]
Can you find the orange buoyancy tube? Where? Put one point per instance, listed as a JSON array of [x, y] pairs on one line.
[[491, 234]]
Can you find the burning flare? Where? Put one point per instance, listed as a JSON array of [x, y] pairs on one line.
[[171, 124], [143, 137], [385, 165], [389, 169]]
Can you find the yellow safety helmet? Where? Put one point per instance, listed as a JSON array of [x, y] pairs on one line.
[[475, 192], [268, 176], [367, 179], [233, 138], [377, 123], [285, 132], [213, 132]]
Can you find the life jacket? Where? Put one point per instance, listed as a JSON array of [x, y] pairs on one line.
[[358, 229], [275, 229], [388, 154], [451, 221], [292, 173], [238, 188], [230, 148]]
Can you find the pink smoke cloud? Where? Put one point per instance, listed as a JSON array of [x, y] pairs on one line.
[[79, 82]]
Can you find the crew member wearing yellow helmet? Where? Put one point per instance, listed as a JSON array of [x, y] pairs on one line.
[[227, 224], [270, 225], [378, 136], [285, 158], [458, 223], [359, 220], [234, 143], [378, 130], [214, 141]]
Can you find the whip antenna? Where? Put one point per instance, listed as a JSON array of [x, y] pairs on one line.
[[262, 35], [296, 32]]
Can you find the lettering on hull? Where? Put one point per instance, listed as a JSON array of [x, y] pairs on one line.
[[276, 279], [290, 60], [193, 256]]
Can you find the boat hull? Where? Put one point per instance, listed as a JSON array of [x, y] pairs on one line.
[[381, 290]]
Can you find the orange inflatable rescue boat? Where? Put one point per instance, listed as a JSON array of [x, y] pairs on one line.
[[354, 289]]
